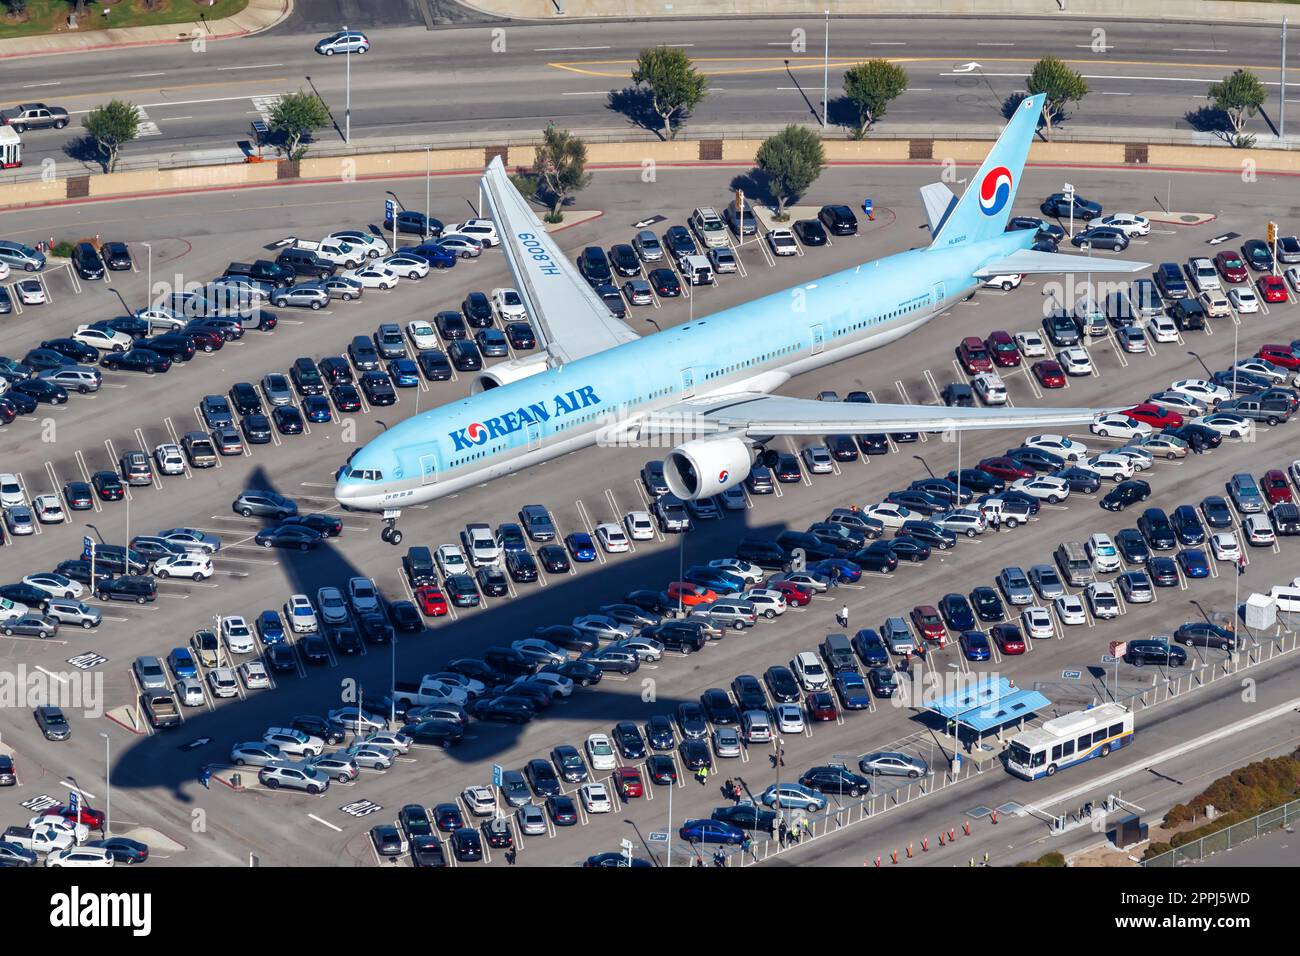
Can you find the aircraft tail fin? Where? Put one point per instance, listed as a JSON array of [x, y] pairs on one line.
[[985, 206]]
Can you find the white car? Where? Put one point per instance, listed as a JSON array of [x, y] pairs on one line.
[[1129, 223], [1140, 458], [374, 276], [56, 585], [481, 545], [1293, 470], [81, 856], [639, 526], [890, 515], [1203, 273], [1162, 328], [169, 458], [1293, 277], [768, 602], [1169, 447], [1114, 467], [818, 459], [1075, 360], [789, 719], [30, 291], [733, 498], [1178, 402], [752, 573], [612, 538], [1102, 600], [1258, 531], [1243, 299], [192, 539], [373, 246], [1070, 609], [782, 242], [483, 230], [189, 691], [809, 671], [48, 508], [1227, 425], [479, 800], [560, 685], [509, 305], [362, 595], [1102, 553], [990, 388], [1113, 425], [1067, 448], [222, 682], [1207, 393], [11, 491], [1267, 369], [645, 648], [300, 614], [1043, 487], [600, 752], [595, 798], [1225, 547], [77, 832], [237, 634], [192, 565], [422, 334], [1037, 623], [451, 560], [408, 267], [1216, 303], [1004, 282], [462, 246], [254, 675], [106, 340], [1031, 344]]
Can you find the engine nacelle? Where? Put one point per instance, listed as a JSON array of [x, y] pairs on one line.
[[503, 373], [706, 466]]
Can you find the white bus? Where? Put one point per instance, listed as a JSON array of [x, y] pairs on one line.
[[1073, 738], [11, 148]]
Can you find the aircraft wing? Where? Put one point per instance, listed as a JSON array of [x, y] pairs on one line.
[[570, 319], [756, 414], [1026, 261]]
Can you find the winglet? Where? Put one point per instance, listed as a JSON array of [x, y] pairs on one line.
[[939, 202]]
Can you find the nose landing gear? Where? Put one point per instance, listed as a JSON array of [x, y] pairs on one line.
[[390, 532]]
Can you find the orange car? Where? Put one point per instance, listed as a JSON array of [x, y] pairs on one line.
[[689, 595]]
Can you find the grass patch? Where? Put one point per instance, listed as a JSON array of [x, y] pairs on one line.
[[42, 17]]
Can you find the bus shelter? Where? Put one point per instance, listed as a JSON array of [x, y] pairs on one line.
[[983, 707]]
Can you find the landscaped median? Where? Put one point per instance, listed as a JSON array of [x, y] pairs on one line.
[[723, 152], [29, 18]]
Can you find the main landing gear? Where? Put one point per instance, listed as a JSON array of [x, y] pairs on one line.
[[390, 532]]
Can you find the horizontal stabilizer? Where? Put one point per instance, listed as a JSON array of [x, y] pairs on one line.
[[938, 200], [1028, 261]]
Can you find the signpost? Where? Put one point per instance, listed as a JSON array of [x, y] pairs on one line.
[[497, 775], [627, 851], [1117, 650], [88, 552], [390, 214]]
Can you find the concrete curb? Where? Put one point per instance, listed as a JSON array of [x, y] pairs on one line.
[[258, 16]]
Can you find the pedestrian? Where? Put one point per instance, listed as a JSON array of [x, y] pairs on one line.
[[748, 847], [781, 831], [736, 792], [995, 520], [1198, 443], [835, 576], [510, 856], [780, 756], [205, 775], [1241, 565], [772, 758], [843, 617], [726, 789], [718, 858], [702, 774]]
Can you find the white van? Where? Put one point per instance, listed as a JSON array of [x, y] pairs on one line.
[[695, 270], [1287, 597]]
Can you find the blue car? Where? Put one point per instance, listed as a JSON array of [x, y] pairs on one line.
[[849, 572], [581, 546], [852, 690], [182, 663], [715, 579], [432, 253], [975, 645], [404, 373], [270, 627], [711, 831], [1194, 563], [317, 408]]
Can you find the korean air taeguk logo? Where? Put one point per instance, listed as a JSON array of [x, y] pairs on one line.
[[995, 190]]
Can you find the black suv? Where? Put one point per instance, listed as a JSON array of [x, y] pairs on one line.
[[477, 309], [1188, 314], [594, 266], [87, 261], [1157, 530], [306, 377], [363, 353], [1154, 652], [835, 778], [719, 708], [244, 397], [839, 219], [135, 588], [305, 262]]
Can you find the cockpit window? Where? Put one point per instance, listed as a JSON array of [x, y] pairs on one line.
[[365, 474]]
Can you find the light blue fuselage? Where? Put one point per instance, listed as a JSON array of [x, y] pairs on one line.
[[755, 346]]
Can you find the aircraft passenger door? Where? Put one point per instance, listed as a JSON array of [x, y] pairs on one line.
[[818, 339], [688, 382], [428, 469], [936, 296], [534, 436]]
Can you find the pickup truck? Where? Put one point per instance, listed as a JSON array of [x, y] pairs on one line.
[[39, 839], [1271, 411], [480, 544], [161, 710], [428, 690], [331, 250], [264, 271]]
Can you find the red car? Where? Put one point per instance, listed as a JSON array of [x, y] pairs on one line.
[[1272, 289], [1230, 266], [89, 816], [1275, 486], [627, 781], [688, 594], [431, 600], [1154, 415], [1003, 348], [1049, 373], [1008, 469], [927, 622], [1282, 355], [974, 356], [796, 595], [1008, 638], [821, 706]]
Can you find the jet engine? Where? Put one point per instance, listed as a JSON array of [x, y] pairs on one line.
[[706, 466], [503, 373]]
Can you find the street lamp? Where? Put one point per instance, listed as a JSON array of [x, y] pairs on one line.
[[826, 71], [923, 461], [108, 787], [347, 111], [1202, 361], [1069, 197], [148, 293]]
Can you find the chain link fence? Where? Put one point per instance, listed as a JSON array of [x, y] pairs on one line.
[[1278, 818]]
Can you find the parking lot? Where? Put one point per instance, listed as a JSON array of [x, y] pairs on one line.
[[155, 782]]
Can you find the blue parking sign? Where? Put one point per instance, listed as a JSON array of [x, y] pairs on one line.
[[867, 208], [390, 209], [496, 775]]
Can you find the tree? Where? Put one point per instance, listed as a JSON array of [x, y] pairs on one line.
[[792, 160], [294, 117], [111, 127], [1240, 96], [871, 87], [1061, 84], [675, 86], [560, 167]]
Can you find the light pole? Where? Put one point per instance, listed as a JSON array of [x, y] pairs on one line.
[[108, 788], [1069, 197], [1281, 125], [924, 462], [148, 293], [428, 171], [392, 685], [347, 109], [671, 788], [826, 71]]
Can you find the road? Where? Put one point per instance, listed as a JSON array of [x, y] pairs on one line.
[[486, 83]]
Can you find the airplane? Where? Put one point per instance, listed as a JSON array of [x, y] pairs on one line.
[[708, 383]]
